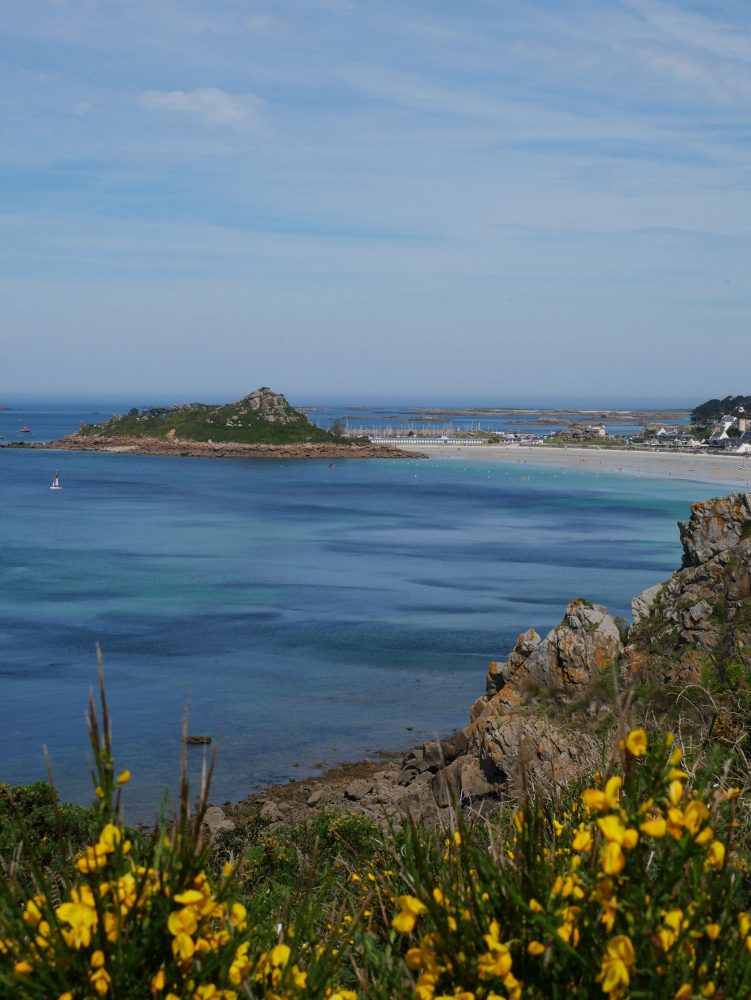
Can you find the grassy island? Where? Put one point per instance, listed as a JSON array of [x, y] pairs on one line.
[[262, 417]]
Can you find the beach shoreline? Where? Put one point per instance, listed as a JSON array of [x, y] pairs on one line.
[[726, 470]]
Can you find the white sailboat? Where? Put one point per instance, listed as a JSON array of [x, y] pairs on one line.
[[56, 483]]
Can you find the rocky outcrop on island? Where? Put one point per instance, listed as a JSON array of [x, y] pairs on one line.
[[549, 704]]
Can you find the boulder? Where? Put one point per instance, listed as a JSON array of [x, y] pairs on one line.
[[642, 605], [499, 674], [714, 526], [215, 820], [572, 654]]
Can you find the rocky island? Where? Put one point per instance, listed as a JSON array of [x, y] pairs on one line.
[[260, 425], [552, 706]]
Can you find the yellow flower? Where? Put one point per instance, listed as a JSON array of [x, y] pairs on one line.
[[100, 980], [183, 947], [22, 968], [684, 992], [535, 948], [182, 922], [583, 840], [636, 743], [123, 778], [716, 854], [110, 837], [600, 801], [656, 827], [712, 931], [616, 832], [694, 815], [494, 964], [704, 837], [612, 859], [238, 916], [279, 955], [616, 963], [82, 920], [189, 897], [675, 792], [410, 909], [158, 981]]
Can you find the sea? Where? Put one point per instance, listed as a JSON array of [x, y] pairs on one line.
[[302, 613]]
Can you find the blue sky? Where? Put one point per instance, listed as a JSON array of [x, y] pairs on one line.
[[491, 200]]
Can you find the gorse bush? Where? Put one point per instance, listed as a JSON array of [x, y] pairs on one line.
[[634, 891], [633, 886], [152, 926]]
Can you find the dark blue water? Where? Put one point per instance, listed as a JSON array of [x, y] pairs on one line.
[[302, 612]]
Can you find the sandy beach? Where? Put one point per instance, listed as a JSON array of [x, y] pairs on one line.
[[727, 470]]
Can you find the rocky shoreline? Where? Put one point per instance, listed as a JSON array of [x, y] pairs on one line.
[[210, 449], [550, 708]]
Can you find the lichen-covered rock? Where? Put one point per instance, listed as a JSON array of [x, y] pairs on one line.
[[525, 747], [499, 674], [272, 405], [642, 605], [700, 619], [714, 526], [571, 655]]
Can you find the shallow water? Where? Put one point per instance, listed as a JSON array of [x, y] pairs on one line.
[[304, 613]]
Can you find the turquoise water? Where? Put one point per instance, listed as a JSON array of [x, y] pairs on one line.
[[303, 613]]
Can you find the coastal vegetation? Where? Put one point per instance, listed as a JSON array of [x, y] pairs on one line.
[[262, 417], [632, 882]]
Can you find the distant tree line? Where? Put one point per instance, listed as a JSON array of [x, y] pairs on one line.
[[711, 411]]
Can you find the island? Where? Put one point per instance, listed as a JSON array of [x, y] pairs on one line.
[[262, 425]]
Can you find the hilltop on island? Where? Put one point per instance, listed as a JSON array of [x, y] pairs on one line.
[[262, 417], [260, 425]]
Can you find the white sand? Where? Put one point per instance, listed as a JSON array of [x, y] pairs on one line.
[[728, 470]]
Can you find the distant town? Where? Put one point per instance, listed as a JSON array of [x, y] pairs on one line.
[[711, 426]]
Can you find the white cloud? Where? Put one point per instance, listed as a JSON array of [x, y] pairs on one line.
[[82, 108], [214, 107]]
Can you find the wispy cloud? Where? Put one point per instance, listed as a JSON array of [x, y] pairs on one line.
[[210, 105], [515, 171]]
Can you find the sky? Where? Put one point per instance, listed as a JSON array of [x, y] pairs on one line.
[[493, 200]]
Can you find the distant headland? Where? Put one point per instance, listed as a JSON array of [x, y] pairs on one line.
[[261, 424]]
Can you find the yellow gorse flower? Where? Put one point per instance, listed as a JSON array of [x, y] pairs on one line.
[[616, 964], [636, 743], [410, 908]]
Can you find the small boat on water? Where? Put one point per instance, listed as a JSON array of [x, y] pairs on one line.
[[56, 482], [25, 430]]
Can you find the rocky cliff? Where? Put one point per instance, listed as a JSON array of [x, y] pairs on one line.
[[696, 626], [548, 707]]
